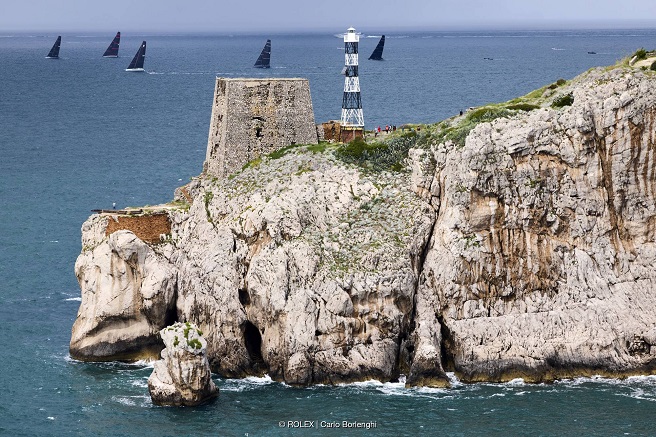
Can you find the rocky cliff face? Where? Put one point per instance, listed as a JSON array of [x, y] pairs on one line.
[[527, 250]]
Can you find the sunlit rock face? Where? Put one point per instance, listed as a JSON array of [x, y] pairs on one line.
[[527, 250]]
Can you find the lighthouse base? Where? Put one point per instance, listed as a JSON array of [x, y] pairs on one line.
[[348, 134]]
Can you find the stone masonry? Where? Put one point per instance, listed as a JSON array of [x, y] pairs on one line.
[[253, 117]]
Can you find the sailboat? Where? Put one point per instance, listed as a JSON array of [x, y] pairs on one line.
[[377, 55], [54, 51], [112, 50], [264, 61], [138, 60]]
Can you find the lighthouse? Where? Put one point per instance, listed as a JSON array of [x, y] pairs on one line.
[[352, 121]]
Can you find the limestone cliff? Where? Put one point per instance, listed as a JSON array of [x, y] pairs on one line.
[[518, 241]]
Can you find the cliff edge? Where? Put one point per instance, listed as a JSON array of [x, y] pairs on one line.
[[517, 240]]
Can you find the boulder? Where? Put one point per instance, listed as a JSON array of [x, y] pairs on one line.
[[182, 377]]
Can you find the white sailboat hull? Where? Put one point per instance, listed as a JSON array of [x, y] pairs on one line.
[[134, 69]]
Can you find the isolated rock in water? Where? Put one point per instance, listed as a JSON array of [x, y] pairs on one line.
[[182, 376], [128, 295]]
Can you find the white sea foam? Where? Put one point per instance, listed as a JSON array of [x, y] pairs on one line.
[[140, 383], [651, 379], [247, 383], [140, 400], [259, 380], [77, 299], [517, 382], [453, 379]]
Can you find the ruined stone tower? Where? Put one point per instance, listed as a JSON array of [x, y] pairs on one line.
[[253, 117]]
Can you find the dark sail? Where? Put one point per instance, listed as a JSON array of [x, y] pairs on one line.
[[138, 60], [54, 51], [112, 50], [377, 55], [264, 61]]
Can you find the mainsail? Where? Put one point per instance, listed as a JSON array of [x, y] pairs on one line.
[[112, 50], [54, 51], [377, 55], [138, 60], [264, 61]]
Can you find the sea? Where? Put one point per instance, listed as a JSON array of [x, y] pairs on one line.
[[80, 133]]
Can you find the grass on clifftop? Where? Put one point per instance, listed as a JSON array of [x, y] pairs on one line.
[[389, 152]]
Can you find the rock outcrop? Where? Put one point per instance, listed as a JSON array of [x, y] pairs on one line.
[[182, 377], [128, 295], [542, 262], [525, 250]]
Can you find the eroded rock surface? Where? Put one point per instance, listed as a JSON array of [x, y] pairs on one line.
[[128, 295], [542, 259], [527, 252], [182, 377]]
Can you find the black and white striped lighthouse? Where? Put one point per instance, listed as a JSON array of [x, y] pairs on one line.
[[352, 117]]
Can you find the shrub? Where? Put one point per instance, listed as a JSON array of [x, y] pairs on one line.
[[377, 156], [522, 107], [562, 101], [653, 66], [561, 82], [195, 343], [640, 54]]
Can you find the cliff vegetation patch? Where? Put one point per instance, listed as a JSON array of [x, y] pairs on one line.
[[388, 155]]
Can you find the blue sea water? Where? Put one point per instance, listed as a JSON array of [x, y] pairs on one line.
[[79, 133]]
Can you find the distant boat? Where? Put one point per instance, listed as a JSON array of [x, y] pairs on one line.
[[377, 55], [54, 51], [112, 50], [592, 53], [264, 61], [138, 60]]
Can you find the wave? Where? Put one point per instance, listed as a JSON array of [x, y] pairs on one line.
[[115, 365], [248, 383], [76, 299], [517, 382], [131, 401], [557, 49]]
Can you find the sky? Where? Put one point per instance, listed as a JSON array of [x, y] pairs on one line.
[[262, 16]]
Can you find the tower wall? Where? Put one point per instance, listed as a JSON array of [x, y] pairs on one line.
[[254, 117]]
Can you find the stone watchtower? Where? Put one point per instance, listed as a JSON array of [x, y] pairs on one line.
[[253, 117]]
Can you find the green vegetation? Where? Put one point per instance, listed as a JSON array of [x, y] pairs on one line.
[[318, 148], [377, 156], [640, 54], [652, 67], [458, 133], [522, 107], [186, 330], [195, 343], [471, 241], [180, 205], [563, 100], [281, 152], [252, 164], [176, 341], [208, 198]]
